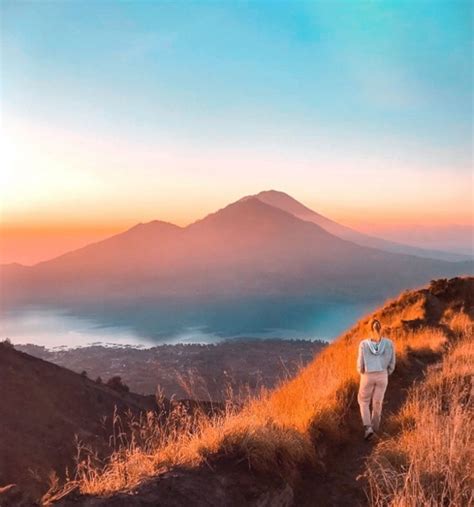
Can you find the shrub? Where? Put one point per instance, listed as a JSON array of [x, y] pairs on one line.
[[117, 385], [7, 343]]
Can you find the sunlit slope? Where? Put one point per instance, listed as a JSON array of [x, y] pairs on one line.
[[305, 422]]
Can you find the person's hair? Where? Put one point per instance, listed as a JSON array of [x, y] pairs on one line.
[[373, 322]]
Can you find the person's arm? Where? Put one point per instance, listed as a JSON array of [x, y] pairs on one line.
[[391, 364], [360, 359]]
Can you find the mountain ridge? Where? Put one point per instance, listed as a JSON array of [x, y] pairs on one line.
[[247, 247], [291, 205], [282, 201]]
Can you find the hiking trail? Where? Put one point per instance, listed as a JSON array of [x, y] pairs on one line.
[[342, 483]]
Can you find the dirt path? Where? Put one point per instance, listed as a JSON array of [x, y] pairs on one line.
[[342, 483]]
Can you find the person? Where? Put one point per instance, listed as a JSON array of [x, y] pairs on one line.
[[375, 362]]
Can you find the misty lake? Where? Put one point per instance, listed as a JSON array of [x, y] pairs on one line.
[[149, 325]]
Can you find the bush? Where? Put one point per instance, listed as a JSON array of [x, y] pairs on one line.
[[7, 343], [117, 385]]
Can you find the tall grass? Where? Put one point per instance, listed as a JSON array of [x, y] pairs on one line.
[[274, 432], [431, 461]]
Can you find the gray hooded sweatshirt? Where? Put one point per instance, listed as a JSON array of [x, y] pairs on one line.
[[375, 356]]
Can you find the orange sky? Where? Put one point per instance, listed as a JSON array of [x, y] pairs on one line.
[[28, 245]]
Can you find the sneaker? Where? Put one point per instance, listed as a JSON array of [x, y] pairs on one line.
[[369, 433]]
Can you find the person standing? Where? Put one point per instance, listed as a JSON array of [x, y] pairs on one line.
[[375, 362]]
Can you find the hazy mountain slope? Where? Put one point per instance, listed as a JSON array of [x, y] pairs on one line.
[[248, 247], [148, 245], [289, 204], [96, 269], [43, 407]]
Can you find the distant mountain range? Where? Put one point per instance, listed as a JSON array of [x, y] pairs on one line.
[[291, 205], [268, 244]]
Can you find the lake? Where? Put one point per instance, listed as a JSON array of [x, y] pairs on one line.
[[147, 325]]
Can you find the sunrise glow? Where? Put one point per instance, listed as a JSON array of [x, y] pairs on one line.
[[98, 134]]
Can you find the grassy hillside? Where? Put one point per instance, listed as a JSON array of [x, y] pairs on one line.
[[310, 426], [430, 460]]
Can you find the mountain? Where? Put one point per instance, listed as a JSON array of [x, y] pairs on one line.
[[43, 408], [287, 203], [246, 248]]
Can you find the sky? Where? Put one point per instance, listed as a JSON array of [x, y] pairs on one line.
[[115, 112]]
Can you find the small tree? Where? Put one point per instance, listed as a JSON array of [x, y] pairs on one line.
[[7, 343], [117, 385]]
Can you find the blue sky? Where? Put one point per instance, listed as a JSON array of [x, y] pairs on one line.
[[358, 108]]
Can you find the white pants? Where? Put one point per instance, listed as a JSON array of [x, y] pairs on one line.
[[372, 389]]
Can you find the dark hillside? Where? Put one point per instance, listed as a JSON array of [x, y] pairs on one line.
[[43, 407]]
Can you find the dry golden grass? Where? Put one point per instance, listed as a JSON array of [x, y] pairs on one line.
[[459, 323], [273, 432], [431, 461]]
